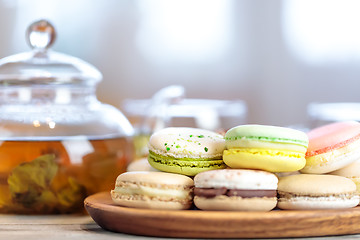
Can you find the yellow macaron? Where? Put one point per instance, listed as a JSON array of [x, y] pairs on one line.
[[269, 148]]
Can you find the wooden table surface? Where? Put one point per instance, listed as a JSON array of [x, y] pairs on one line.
[[69, 227]]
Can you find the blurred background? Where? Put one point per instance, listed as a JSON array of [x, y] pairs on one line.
[[277, 56]]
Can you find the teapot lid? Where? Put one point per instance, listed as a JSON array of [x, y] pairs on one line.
[[42, 66]]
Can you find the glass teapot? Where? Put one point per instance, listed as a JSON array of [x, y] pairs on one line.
[[58, 143]]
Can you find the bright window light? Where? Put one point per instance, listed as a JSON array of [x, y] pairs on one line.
[[185, 30], [320, 31]]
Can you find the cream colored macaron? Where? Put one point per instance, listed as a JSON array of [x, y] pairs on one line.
[[156, 190], [311, 191], [352, 172], [141, 165]]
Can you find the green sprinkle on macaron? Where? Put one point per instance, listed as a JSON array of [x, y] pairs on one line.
[[206, 149]]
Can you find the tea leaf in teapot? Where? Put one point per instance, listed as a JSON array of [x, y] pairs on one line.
[[72, 196], [28, 180]]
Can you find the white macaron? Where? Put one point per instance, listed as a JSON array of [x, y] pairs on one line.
[[235, 190]]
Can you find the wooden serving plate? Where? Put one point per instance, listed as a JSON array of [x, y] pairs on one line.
[[221, 224]]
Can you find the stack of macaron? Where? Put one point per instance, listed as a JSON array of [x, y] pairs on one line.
[[328, 179], [259, 151], [240, 171], [332, 157], [175, 155]]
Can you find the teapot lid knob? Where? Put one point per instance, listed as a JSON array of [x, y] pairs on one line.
[[40, 35]]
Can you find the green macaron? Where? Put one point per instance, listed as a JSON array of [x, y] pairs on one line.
[[186, 151], [244, 134], [264, 147]]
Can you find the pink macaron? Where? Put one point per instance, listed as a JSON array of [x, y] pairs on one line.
[[332, 147]]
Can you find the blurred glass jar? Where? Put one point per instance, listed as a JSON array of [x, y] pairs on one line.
[[324, 113], [58, 143], [169, 108]]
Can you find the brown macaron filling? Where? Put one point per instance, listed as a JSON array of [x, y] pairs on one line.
[[244, 193]]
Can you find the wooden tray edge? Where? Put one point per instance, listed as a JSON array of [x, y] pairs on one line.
[[220, 224]]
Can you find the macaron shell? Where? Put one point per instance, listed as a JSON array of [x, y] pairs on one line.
[[143, 202], [317, 203], [333, 160], [356, 180], [350, 171], [267, 133], [357, 183], [332, 136], [315, 185], [225, 203], [272, 161], [184, 142], [236, 179], [155, 178]]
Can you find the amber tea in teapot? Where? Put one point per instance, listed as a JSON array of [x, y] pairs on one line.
[[55, 176], [58, 143]]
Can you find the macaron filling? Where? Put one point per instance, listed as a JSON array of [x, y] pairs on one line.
[[267, 152], [185, 162], [244, 193], [245, 143], [141, 190]]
